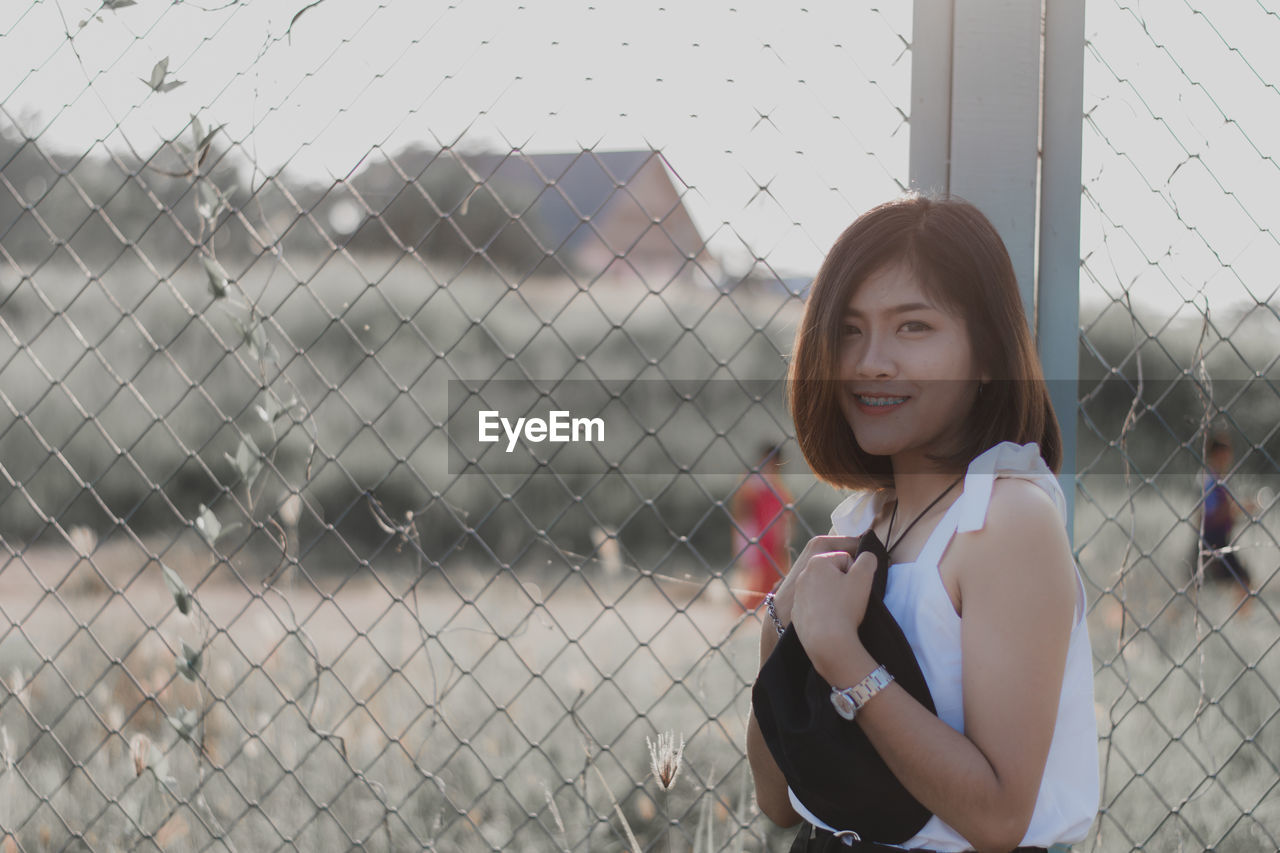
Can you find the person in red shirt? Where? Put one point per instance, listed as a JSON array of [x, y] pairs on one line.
[[761, 530]]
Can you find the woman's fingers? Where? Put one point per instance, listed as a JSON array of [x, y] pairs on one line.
[[844, 561], [822, 544], [866, 562], [836, 548], [832, 593], [839, 560]]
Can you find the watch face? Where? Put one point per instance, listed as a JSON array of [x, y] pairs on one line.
[[843, 704]]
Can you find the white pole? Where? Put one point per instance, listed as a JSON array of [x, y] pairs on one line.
[[995, 123], [1058, 288], [976, 90], [931, 96]]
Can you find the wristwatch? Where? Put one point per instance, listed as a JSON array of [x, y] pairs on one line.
[[848, 700]]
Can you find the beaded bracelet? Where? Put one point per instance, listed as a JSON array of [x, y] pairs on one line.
[[773, 613]]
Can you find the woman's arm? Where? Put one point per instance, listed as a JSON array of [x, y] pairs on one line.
[[771, 785], [1017, 588]]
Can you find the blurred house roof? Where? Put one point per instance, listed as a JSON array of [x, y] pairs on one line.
[[604, 212]]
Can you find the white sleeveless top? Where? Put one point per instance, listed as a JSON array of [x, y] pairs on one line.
[[1069, 791]]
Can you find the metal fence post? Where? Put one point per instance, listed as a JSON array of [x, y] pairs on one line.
[[1058, 285], [930, 143], [995, 116], [975, 133]]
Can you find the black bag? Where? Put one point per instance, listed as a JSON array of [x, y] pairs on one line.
[[827, 760]]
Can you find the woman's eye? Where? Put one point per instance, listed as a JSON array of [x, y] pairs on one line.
[[916, 326], [849, 329]]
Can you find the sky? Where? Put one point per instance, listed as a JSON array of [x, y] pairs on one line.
[[783, 121]]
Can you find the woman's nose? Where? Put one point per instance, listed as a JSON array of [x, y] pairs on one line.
[[872, 357]]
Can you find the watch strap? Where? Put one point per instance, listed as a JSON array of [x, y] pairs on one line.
[[861, 693]]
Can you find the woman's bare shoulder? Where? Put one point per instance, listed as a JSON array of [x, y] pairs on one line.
[[1016, 501], [1023, 540]]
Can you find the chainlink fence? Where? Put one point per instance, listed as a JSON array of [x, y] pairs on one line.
[[255, 259], [1178, 329]]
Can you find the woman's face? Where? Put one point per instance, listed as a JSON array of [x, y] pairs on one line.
[[907, 373]]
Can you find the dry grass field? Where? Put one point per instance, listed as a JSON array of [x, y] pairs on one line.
[[443, 723], [338, 711]]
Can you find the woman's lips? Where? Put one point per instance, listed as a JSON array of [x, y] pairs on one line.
[[879, 404]]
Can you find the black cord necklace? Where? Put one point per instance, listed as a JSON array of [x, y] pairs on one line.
[[888, 534]]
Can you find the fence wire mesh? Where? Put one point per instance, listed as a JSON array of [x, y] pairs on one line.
[[1178, 332], [246, 603]]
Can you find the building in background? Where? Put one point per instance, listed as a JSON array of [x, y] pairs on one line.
[[600, 216]]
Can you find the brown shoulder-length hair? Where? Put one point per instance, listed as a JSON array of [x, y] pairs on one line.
[[962, 263]]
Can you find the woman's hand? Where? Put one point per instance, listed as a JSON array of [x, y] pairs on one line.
[[830, 601], [784, 597]]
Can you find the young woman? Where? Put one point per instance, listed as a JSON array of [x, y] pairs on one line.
[[914, 382]]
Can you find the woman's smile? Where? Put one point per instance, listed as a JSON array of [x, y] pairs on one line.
[[873, 404]]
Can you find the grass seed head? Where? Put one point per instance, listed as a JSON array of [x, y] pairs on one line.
[[665, 758], [82, 540], [140, 751]]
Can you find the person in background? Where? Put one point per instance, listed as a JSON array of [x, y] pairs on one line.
[[761, 529], [1219, 510]]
